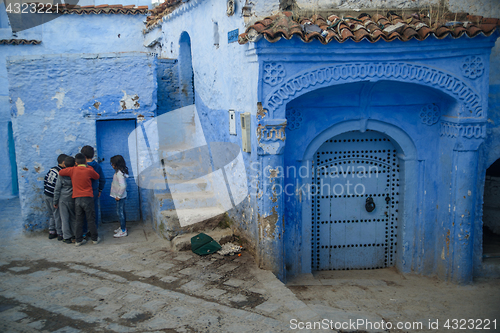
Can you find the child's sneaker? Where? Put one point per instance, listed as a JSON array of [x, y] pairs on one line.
[[120, 233], [59, 238], [117, 230], [52, 235], [97, 241], [67, 241], [81, 243]]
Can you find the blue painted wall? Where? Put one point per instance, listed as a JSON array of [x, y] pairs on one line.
[[168, 86], [66, 34], [56, 101], [433, 153], [348, 87]]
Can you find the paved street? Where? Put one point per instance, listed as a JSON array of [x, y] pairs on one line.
[[136, 284], [132, 284]]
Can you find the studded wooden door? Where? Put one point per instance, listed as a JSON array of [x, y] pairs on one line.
[[355, 195], [112, 139]]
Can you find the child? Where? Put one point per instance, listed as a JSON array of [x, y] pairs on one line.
[[49, 184], [97, 185], [81, 178], [119, 192], [63, 200]]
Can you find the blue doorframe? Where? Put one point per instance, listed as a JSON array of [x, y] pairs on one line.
[[12, 158], [112, 139], [407, 155]]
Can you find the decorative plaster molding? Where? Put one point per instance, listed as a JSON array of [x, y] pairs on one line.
[[274, 73], [472, 67], [261, 112], [406, 72], [430, 114], [188, 6], [468, 131], [271, 137], [293, 119], [230, 7]]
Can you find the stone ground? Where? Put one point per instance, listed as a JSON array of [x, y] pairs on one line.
[[137, 284]]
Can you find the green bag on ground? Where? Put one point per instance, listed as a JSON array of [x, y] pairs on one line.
[[203, 244]]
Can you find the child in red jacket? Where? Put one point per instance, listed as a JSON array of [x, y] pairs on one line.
[[81, 178]]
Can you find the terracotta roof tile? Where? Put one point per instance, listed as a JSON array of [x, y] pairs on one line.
[[19, 41], [101, 9], [167, 7], [373, 28]]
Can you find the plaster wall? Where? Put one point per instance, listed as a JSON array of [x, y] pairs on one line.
[[432, 177], [66, 34], [362, 4], [263, 219], [224, 78], [168, 86], [56, 101]]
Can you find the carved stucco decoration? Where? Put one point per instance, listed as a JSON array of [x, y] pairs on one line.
[[261, 112], [230, 7], [472, 67], [469, 131], [430, 114], [407, 72], [274, 73], [293, 119], [271, 137]]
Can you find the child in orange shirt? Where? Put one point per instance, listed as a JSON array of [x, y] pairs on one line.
[[81, 178]]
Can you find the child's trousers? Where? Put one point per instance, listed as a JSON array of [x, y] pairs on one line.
[[120, 211], [84, 207], [54, 216], [68, 218]]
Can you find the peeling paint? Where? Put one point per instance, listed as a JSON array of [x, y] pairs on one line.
[[70, 137], [448, 243], [51, 117], [38, 167], [129, 102], [96, 105], [59, 96], [20, 107], [274, 173], [37, 147], [261, 112], [268, 224]]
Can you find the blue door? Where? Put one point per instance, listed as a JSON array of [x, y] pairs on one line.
[[355, 202], [112, 139]]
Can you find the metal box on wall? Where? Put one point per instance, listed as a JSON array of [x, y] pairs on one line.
[[245, 132]]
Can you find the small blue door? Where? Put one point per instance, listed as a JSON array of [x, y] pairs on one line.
[[355, 202], [112, 139]]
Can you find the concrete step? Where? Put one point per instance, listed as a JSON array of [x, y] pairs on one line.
[[165, 201], [183, 242], [187, 217], [191, 200], [186, 200]]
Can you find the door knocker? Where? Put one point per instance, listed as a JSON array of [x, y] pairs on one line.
[[370, 205]]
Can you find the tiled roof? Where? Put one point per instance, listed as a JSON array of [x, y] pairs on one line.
[[157, 13], [372, 28], [101, 9], [19, 41]]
